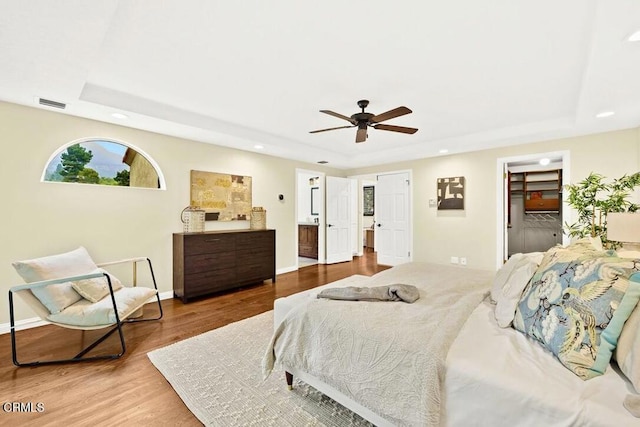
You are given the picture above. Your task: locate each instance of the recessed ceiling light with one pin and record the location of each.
(545, 161)
(443, 151)
(605, 114)
(258, 147)
(119, 116)
(635, 37)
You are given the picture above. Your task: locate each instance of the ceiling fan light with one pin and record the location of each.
(363, 120)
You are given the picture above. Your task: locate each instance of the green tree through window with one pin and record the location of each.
(88, 176)
(122, 177)
(73, 162)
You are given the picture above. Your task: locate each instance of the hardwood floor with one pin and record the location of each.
(129, 390)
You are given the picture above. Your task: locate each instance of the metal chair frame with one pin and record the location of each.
(117, 326)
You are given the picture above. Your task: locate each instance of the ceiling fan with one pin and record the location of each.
(363, 120)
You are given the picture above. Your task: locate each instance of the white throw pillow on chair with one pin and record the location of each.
(96, 289)
(59, 296)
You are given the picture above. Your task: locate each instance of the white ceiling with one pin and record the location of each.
(477, 74)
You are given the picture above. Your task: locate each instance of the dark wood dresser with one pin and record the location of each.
(214, 261)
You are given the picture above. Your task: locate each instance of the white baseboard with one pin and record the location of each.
(35, 322)
(286, 270)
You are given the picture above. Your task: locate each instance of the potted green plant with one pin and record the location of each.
(593, 199)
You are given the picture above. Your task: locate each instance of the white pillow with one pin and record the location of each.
(502, 275)
(96, 289)
(509, 296)
(59, 296)
(627, 352)
(622, 253)
(596, 242)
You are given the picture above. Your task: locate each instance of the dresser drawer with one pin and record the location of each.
(253, 240)
(209, 243)
(254, 273)
(209, 281)
(209, 262)
(247, 255)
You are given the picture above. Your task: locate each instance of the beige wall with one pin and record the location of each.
(472, 233)
(113, 222)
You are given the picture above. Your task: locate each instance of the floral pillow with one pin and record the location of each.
(576, 304)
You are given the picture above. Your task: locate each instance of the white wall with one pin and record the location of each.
(41, 219)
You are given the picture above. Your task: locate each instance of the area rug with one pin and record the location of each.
(218, 376)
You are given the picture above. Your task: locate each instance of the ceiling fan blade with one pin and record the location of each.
(396, 112)
(338, 115)
(361, 135)
(396, 128)
(324, 130)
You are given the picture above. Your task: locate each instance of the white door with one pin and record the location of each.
(505, 212)
(338, 220)
(392, 231)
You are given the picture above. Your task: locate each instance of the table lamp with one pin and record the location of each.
(624, 227)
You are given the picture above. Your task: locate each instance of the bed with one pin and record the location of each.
(378, 358)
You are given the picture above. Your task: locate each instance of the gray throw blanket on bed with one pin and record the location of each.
(395, 292)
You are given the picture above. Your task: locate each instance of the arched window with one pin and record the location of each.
(104, 162)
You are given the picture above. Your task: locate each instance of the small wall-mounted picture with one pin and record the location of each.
(368, 194)
(451, 193)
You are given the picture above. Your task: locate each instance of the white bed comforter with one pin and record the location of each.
(388, 356)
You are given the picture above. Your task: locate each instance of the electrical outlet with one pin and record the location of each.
(454, 260)
(463, 261)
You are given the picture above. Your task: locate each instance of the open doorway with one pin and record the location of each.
(310, 217)
(367, 235)
(531, 214)
(388, 231)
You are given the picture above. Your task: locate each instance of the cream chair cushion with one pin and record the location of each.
(84, 313)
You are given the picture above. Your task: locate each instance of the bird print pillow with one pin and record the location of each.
(576, 304)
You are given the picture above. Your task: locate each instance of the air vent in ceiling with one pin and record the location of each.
(50, 103)
(323, 162)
